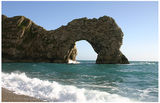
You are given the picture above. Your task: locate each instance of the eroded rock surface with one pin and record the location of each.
(24, 41)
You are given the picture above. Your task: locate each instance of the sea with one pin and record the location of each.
(83, 81)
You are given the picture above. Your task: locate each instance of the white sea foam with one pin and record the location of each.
(53, 91)
(145, 93)
(73, 62)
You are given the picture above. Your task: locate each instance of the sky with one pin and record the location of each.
(137, 19)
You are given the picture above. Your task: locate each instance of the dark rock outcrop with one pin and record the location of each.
(24, 41)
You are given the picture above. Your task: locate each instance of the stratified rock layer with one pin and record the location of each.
(24, 41)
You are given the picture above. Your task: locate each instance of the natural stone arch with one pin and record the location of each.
(35, 44)
(103, 34)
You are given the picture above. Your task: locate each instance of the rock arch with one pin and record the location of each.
(24, 41)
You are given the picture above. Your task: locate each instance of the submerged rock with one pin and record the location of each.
(24, 41)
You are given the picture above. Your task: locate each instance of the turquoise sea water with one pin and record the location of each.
(86, 81)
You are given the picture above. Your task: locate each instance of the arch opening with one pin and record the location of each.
(85, 51)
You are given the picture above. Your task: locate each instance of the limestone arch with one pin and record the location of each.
(103, 34)
(24, 41)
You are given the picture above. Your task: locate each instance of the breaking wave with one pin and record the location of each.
(73, 62)
(53, 91)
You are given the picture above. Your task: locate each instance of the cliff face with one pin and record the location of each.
(24, 41)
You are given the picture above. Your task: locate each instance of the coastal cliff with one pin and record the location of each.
(24, 41)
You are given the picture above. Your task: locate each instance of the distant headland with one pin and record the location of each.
(24, 41)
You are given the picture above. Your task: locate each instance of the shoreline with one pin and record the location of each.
(9, 96)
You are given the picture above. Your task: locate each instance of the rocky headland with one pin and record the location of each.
(24, 41)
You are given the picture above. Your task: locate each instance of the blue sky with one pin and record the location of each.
(138, 21)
